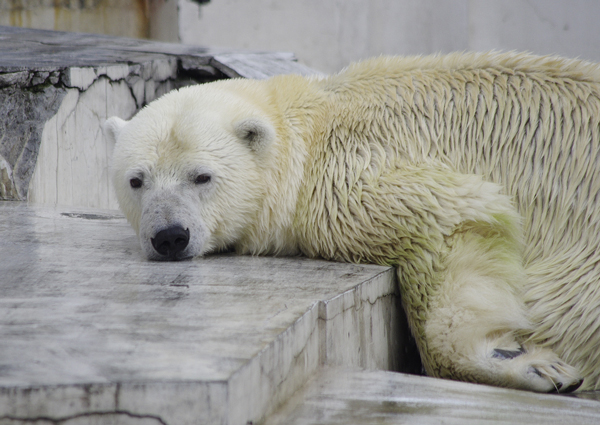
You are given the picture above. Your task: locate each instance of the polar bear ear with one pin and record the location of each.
(112, 128)
(258, 133)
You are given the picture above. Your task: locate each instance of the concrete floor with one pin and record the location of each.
(338, 396)
(89, 327)
(92, 333)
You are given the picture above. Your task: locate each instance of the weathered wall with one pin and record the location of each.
(328, 34)
(127, 18)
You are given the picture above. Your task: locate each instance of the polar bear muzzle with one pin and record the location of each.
(171, 241)
(169, 227)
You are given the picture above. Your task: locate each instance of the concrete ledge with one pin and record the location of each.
(341, 396)
(89, 328)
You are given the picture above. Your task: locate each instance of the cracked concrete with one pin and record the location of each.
(92, 418)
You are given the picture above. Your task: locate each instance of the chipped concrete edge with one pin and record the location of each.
(311, 349)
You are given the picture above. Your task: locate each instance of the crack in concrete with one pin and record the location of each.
(294, 363)
(323, 304)
(64, 420)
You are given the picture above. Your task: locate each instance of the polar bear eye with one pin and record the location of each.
(135, 183)
(202, 179)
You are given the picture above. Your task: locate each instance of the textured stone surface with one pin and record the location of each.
(351, 396)
(45, 77)
(24, 111)
(91, 330)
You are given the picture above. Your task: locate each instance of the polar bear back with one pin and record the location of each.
(530, 124)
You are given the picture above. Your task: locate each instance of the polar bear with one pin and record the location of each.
(475, 175)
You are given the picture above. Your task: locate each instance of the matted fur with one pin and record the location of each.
(476, 175)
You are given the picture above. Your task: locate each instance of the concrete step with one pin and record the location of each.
(341, 396)
(89, 329)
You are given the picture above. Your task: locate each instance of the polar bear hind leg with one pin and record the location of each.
(477, 325)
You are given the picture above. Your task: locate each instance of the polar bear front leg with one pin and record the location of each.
(476, 325)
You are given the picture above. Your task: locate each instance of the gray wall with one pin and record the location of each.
(329, 34)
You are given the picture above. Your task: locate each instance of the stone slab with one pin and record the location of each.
(90, 329)
(339, 396)
(23, 49)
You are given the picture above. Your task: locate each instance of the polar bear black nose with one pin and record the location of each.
(171, 241)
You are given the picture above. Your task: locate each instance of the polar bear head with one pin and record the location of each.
(187, 169)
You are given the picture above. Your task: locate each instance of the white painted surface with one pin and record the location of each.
(328, 34)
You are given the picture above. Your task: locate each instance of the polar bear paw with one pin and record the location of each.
(537, 369)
